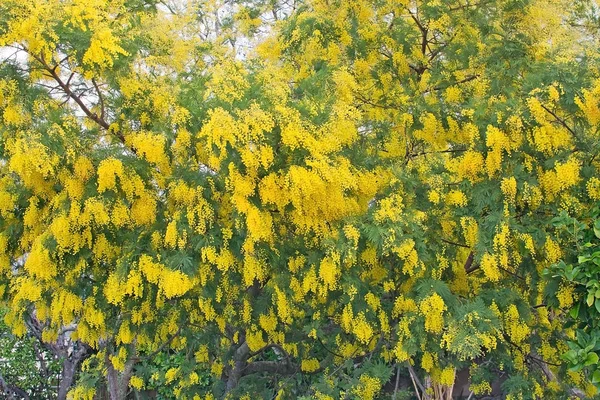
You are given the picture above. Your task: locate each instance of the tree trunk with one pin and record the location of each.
(70, 366)
(240, 360)
(118, 382)
(66, 378)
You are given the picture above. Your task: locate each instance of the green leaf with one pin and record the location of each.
(571, 356)
(574, 312)
(590, 299)
(596, 376)
(597, 228)
(597, 304)
(591, 359)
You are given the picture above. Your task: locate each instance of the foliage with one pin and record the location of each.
(298, 197)
(578, 277)
(26, 365)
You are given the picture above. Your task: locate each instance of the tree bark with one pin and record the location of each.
(12, 390)
(118, 382)
(240, 360)
(70, 366)
(72, 353)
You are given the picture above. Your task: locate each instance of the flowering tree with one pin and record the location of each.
(316, 194)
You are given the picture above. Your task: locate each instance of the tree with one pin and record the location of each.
(27, 369)
(314, 194)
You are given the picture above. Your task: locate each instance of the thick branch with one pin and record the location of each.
(469, 266)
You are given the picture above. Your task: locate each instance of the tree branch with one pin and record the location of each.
(10, 389)
(456, 244)
(67, 90)
(560, 121)
(100, 97)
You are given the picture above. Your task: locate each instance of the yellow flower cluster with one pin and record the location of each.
(136, 382)
(254, 338)
(310, 365)
(433, 308)
(481, 388)
(118, 360)
(82, 393)
(589, 103)
(517, 329)
(362, 329)
(564, 176)
(368, 387)
(469, 166)
(34, 163)
(38, 263)
(490, 268)
(565, 296)
(445, 376)
(550, 139)
(104, 48)
(593, 188)
(470, 230)
(329, 271)
(509, 189)
(456, 198)
(407, 253)
(108, 170)
(428, 361)
(552, 250)
(389, 208)
(152, 148)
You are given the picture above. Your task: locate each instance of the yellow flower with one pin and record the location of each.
(310, 365)
(367, 388)
(136, 382)
(433, 308)
(171, 374)
(490, 268)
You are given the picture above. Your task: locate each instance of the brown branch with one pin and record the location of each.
(327, 349)
(469, 266)
(455, 244)
(512, 273)
(560, 121)
(70, 77)
(272, 346)
(421, 27)
(67, 90)
(465, 80)
(100, 98)
(436, 152)
(527, 355)
(415, 379)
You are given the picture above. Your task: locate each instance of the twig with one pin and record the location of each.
(100, 98)
(397, 381)
(415, 380)
(454, 243)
